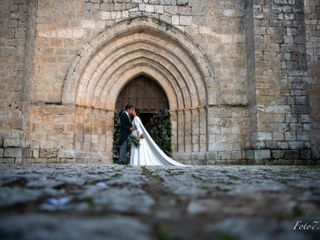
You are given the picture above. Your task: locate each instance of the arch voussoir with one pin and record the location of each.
(164, 53)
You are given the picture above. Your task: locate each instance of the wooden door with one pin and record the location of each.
(143, 93)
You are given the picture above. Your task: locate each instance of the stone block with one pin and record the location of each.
(142, 7)
(167, 19)
(149, 8)
(265, 117)
(35, 153)
(316, 154)
(228, 12)
(300, 109)
(40, 160)
(301, 100)
(291, 118)
(234, 161)
(296, 145)
(171, 9)
(304, 118)
(168, 2)
(7, 160)
(105, 15)
(292, 154)
(48, 153)
(303, 136)
(18, 160)
(249, 155)
(277, 154)
(285, 161)
(290, 136)
(236, 155)
(211, 155)
(306, 154)
(224, 155)
(20, 33)
(29, 160)
(262, 154)
(283, 145)
(67, 160)
(53, 160)
(159, 8)
(119, 6)
(175, 19)
(88, 155)
(185, 20)
(184, 10)
(278, 109)
(259, 161)
(1, 152)
(66, 153)
(264, 136)
(27, 153)
(277, 136)
(306, 127)
(13, 152)
(182, 2)
(11, 142)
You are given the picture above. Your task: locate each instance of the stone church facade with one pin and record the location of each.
(241, 77)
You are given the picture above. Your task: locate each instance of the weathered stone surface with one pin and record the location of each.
(238, 75)
(120, 202)
(112, 227)
(13, 152)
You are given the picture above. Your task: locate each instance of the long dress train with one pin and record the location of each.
(148, 153)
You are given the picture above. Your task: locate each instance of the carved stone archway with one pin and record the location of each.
(143, 93)
(142, 46)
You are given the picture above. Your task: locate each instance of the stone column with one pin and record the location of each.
(280, 79)
(174, 136)
(312, 22)
(195, 130)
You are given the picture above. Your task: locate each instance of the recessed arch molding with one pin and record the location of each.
(149, 47)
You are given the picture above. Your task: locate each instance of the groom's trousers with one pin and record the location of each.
(123, 151)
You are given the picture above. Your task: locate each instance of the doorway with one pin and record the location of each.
(147, 96)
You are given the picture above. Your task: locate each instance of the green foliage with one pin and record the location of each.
(225, 236)
(116, 138)
(135, 141)
(89, 201)
(297, 211)
(159, 129)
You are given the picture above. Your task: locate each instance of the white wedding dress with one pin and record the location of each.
(148, 153)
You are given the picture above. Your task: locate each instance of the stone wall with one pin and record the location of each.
(251, 77)
(312, 23)
(283, 123)
(217, 29)
(13, 25)
(241, 77)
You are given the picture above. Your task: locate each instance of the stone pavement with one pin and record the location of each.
(121, 202)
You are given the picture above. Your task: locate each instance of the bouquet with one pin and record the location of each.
(136, 140)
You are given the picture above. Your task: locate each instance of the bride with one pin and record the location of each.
(148, 153)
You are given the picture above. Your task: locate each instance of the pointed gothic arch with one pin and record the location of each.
(169, 56)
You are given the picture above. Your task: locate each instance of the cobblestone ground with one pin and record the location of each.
(91, 202)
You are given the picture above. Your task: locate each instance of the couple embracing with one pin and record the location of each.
(146, 152)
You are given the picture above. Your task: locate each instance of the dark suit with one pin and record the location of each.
(125, 125)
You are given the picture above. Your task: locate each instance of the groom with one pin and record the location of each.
(125, 130)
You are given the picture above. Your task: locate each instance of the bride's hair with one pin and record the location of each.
(137, 111)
